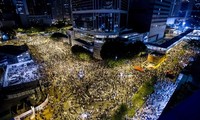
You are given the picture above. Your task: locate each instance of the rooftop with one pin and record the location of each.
(13, 50)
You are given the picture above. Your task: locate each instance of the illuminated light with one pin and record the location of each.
(100, 36)
(112, 36)
(125, 36)
(98, 41)
(183, 23)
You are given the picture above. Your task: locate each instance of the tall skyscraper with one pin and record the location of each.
(186, 8)
(39, 12)
(99, 18)
(42, 12)
(195, 15)
(95, 20)
(22, 11)
(8, 16)
(176, 6)
(34, 12)
(149, 16)
(39, 7)
(61, 10)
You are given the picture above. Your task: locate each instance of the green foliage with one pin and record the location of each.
(140, 97)
(9, 31)
(114, 63)
(60, 24)
(20, 30)
(112, 48)
(55, 28)
(51, 29)
(121, 48)
(194, 43)
(58, 36)
(33, 30)
(84, 56)
(81, 53)
(142, 54)
(182, 52)
(120, 113)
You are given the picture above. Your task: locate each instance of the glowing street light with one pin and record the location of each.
(183, 24)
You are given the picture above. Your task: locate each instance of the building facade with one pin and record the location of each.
(176, 6)
(161, 11)
(34, 12)
(99, 18)
(96, 20)
(22, 11)
(195, 14)
(17, 55)
(186, 8)
(42, 12)
(61, 10)
(150, 16)
(8, 16)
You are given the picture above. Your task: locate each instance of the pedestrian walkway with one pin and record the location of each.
(157, 101)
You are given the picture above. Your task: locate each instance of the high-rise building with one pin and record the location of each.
(186, 8)
(8, 16)
(176, 6)
(182, 8)
(95, 20)
(61, 10)
(195, 15)
(150, 16)
(42, 12)
(22, 11)
(39, 7)
(99, 19)
(181, 14)
(34, 12)
(39, 12)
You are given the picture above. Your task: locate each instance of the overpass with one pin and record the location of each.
(195, 34)
(166, 46)
(83, 43)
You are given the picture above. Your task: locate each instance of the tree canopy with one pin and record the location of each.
(120, 49)
(8, 31)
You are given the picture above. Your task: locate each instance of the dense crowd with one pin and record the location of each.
(21, 73)
(90, 89)
(157, 101)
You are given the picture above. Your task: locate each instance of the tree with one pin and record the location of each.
(112, 48)
(81, 52)
(58, 35)
(120, 113)
(8, 32)
(118, 47)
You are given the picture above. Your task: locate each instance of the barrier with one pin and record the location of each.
(29, 112)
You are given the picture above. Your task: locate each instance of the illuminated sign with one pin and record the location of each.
(20, 7)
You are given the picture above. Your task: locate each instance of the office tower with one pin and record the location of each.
(195, 15)
(149, 16)
(61, 10)
(34, 12)
(186, 8)
(95, 20)
(182, 8)
(8, 15)
(99, 19)
(175, 9)
(39, 12)
(22, 11)
(39, 7)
